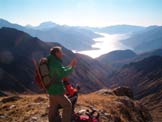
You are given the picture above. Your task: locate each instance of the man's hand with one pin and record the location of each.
(73, 62)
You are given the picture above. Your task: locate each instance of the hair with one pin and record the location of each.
(54, 50)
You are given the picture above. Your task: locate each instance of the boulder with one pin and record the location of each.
(123, 91)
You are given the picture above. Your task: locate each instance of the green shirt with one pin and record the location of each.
(57, 69)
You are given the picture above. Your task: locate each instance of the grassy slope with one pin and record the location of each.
(34, 108)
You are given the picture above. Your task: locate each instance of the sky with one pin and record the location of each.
(96, 13)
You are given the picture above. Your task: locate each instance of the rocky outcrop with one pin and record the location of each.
(113, 108)
(120, 106)
(123, 91)
(119, 91)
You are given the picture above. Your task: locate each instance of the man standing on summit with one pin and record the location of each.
(57, 90)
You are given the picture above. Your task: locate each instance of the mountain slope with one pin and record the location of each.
(118, 29)
(144, 77)
(154, 103)
(4, 23)
(116, 57)
(17, 49)
(146, 40)
(44, 26)
(119, 58)
(73, 38)
(91, 72)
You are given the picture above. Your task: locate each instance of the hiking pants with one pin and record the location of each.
(55, 101)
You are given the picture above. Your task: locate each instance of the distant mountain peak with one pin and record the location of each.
(46, 25)
(125, 25)
(3, 21)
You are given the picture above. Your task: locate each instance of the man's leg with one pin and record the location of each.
(53, 109)
(67, 108)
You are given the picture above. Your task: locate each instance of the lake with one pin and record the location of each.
(106, 44)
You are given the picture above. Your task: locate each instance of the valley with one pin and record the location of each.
(116, 62)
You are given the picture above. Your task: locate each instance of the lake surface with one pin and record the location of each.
(106, 44)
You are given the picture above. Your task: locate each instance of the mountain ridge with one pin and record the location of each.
(17, 52)
(144, 41)
(64, 35)
(117, 29)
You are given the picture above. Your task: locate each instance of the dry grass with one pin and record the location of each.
(117, 109)
(154, 104)
(34, 108)
(26, 109)
(98, 101)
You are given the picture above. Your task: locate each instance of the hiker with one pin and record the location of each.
(57, 89)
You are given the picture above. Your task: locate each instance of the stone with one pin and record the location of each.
(123, 91)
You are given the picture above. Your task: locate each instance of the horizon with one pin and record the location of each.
(49, 21)
(91, 13)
